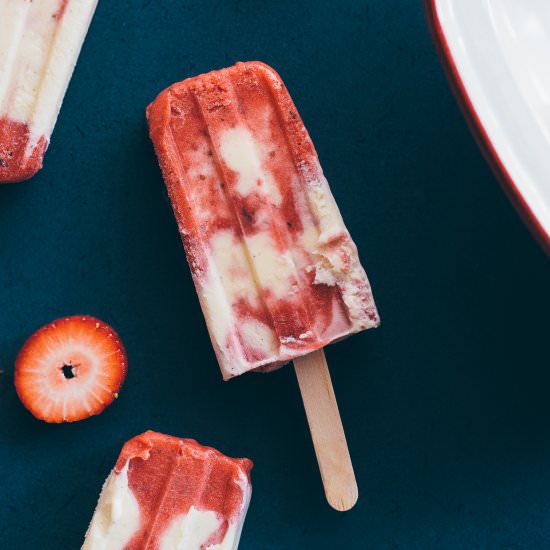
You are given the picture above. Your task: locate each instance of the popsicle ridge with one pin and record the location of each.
(275, 268)
(260, 236)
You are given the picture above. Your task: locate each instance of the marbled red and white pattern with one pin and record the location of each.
(39, 45)
(275, 268)
(166, 493)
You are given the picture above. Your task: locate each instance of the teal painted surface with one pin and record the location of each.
(445, 405)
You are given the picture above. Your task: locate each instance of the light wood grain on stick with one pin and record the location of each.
(327, 432)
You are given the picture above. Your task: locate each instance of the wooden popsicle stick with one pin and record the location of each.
(327, 432)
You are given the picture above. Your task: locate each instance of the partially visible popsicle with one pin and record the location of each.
(39, 45)
(166, 493)
(276, 271)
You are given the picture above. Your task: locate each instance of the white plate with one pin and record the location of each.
(497, 56)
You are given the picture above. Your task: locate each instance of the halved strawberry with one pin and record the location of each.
(70, 369)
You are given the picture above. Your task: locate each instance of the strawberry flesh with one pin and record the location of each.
(70, 369)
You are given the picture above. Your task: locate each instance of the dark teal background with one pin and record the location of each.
(446, 405)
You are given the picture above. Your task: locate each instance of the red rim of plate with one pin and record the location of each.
(476, 127)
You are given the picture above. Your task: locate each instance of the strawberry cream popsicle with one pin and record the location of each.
(39, 45)
(277, 273)
(166, 493)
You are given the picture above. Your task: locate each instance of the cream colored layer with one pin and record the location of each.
(238, 271)
(337, 258)
(38, 52)
(116, 517)
(244, 156)
(190, 531)
(226, 280)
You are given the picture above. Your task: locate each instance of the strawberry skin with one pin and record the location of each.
(70, 369)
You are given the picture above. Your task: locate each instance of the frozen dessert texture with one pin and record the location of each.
(276, 271)
(166, 493)
(39, 45)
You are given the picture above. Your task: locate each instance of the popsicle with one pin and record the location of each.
(276, 271)
(39, 45)
(166, 493)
